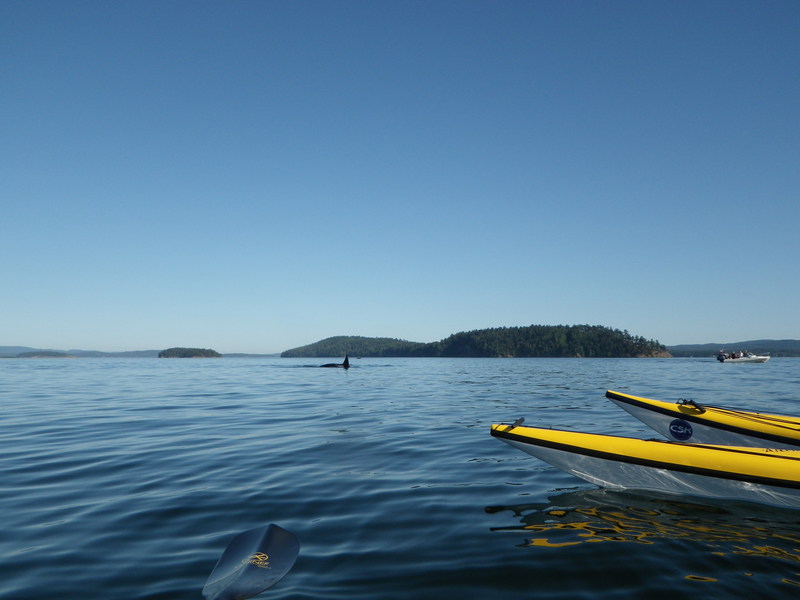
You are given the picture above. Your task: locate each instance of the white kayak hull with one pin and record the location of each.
(692, 423)
(664, 467)
(617, 475)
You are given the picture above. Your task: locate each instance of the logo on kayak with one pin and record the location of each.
(680, 430)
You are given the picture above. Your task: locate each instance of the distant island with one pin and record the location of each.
(589, 341)
(44, 354)
(28, 352)
(189, 353)
(534, 341)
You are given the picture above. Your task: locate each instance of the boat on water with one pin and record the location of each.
(687, 421)
(766, 475)
(742, 357)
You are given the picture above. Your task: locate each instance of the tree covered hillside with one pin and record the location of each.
(588, 341)
(189, 353)
(355, 346)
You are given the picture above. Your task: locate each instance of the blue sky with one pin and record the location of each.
(252, 176)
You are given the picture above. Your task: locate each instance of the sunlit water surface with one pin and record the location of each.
(126, 479)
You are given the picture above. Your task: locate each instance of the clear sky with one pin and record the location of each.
(252, 176)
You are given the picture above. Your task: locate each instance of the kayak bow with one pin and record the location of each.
(686, 421)
(770, 476)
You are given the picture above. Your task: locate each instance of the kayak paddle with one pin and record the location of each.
(254, 561)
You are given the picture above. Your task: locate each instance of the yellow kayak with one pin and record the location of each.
(686, 421)
(767, 475)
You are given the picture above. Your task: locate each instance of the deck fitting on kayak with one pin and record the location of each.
(691, 404)
(516, 423)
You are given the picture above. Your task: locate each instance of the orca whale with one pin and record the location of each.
(343, 365)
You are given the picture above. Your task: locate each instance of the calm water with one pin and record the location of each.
(126, 478)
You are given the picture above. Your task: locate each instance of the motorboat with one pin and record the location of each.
(688, 421)
(742, 357)
(766, 475)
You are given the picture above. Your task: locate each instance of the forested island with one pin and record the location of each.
(534, 341)
(189, 353)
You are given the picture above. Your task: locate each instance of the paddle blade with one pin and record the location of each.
(254, 561)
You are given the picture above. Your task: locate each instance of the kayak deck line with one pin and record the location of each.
(695, 459)
(782, 429)
(787, 421)
(791, 423)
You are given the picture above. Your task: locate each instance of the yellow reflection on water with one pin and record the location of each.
(591, 517)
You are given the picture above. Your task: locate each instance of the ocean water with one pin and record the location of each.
(127, 478)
